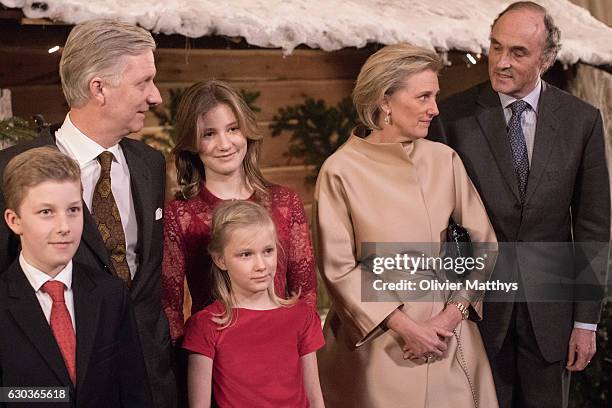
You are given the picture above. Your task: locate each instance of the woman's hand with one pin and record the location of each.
(421, 339)
(448, 318)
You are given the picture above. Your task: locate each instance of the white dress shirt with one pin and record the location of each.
(38, 278)
(72, 142)
(529, 120)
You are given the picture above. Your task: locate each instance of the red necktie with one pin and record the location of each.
(61, 326)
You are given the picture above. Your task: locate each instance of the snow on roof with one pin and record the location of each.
(334, 24)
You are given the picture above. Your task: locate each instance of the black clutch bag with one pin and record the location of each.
(459, 245)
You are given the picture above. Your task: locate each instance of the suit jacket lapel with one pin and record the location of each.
(92, 238)
(490, 116)
(86, 310)
(29, 316)
(46, 138)
(143, 205)
(545, 135)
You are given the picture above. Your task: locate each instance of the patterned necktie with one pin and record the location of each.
(520, 159)
(61, 326)
(106, 213)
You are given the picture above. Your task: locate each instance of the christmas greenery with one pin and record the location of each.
(14, 130)
(316, 129)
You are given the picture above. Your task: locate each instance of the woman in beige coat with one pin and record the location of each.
(387, 184)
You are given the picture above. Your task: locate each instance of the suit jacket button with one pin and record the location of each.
(517, 206)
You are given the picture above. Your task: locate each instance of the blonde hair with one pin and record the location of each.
(228, 218)
(33, 167)
(199, 99)
(96, 47)
(384, 73)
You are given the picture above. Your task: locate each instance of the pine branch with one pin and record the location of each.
(316, 129)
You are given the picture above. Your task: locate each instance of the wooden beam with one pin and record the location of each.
(33, 65)
(43, 22)
(189, 65)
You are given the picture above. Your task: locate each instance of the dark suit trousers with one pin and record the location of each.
(540, 384)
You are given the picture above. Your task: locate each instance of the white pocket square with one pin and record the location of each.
(158, 214)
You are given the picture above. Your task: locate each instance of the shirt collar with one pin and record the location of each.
(38, 278)
(532, 98)
(77, 145)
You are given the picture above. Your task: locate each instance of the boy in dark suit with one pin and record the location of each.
(63, 324)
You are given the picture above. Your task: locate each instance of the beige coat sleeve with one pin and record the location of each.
(336, 257)
(470, 213)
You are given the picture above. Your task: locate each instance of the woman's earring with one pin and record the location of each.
(387, 117)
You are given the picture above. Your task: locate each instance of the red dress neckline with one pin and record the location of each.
(212, 199)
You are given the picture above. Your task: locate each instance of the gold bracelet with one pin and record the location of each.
(465, 312)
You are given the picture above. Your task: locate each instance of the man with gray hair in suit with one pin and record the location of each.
(536, 156)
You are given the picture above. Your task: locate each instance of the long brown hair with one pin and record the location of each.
(198, 100)
(228, 218)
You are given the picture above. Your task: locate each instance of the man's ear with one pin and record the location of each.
(13, 221)
(96, 89)
(548, 61)
(219, 260)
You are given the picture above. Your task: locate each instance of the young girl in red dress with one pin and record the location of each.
(217, 159)
(251, 347)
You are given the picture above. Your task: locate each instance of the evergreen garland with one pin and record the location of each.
(316, 129)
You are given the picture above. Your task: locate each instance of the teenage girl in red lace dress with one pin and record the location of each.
(216, 156)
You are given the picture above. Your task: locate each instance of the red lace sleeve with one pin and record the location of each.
(173, 271)
(300, 263)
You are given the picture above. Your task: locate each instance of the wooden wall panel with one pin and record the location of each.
(278, 94)
(28, 66)
(21, 66)
(49, 99)
(293, 177)
(178, 65)
(459, 77)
